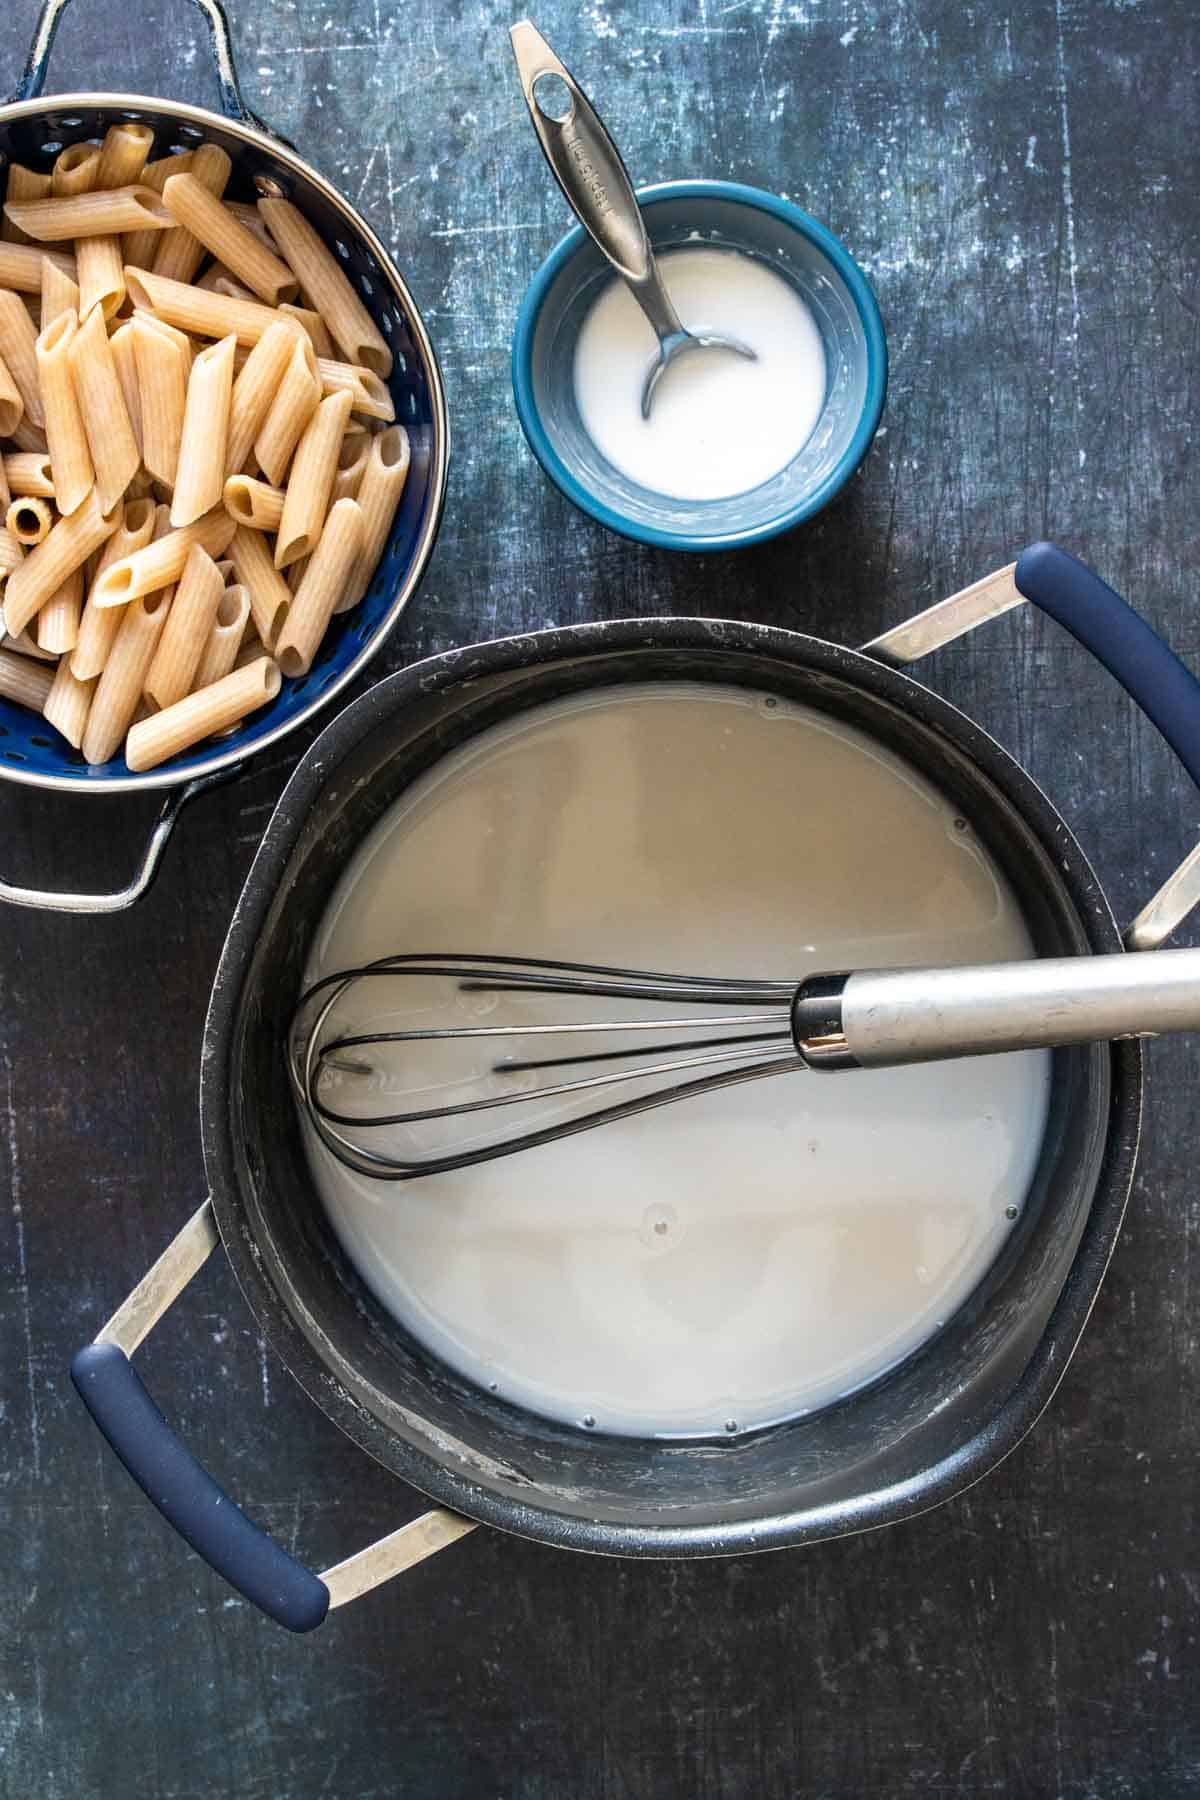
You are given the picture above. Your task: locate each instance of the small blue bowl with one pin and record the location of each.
(828, 280)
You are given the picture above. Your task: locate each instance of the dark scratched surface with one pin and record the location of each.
(1021, 184)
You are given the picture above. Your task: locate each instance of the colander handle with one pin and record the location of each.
(33, 76)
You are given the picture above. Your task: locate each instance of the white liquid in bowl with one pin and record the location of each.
(754, 1252)
(719, 425)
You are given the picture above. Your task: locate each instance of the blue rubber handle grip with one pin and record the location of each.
(187, 1495)
(1167, 692)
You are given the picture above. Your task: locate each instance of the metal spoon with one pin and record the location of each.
(589, 170)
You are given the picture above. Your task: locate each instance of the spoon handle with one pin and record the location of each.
(589, 170)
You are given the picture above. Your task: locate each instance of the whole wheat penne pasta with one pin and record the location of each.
(99, 258)
(28, 472)
(23, 184)
(75, 170)
(315, 326)
(297, 397)
(21, 266)
(58, 621)
(186, 633)
(193, 206)
(379, 494)
(327, 287)
(159, 564)
(12, 552)
(124, 357)
(225, 637)
(324, 582)
(114, 448)
(29, 520)
(26, 645)
(254, 390)
(270, 596)
(217, 279)
(248, 215)
(101, 274)
(29, 437)
(371, 397)
(12, 406)
(68, 703)
(203, 713)
(140, 247)
(44, 570)
(70, 458)
(200, 474)
(96, 213)
(163, 366)
(59, 293)
(253, 502)
(180, 253)
(352, 464)
(119, 689)
(25, 681)
(18, 350)
(311, 480)
(99, 624)
(192, 309)
(123, 154)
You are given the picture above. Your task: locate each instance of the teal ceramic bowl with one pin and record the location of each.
(828, 280)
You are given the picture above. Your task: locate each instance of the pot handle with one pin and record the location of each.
(43, 900)
(233, 105)
(186, 1494)
(1153, 676)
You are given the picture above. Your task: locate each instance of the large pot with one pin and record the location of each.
(915, 1436)
(32, 130)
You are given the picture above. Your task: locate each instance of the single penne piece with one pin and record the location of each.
(23, 184)
(139, 247)
(44, 570)
(200, 474)
(315, 326)
(217, 279)
(58, 621)
(327, 286)
(119, 689)
(114, 448)
(371, 397)
(68, 703)
(352, 464)
(94, 213)
(192, 309)
(70, 458)
(12, 552)
(270, 596)
(99, 624)
(180, 253)
(163, 366)
(21, 266)
(59, 293)
(28, 472)
(316, 598)
(123, 155)
(254, 390)
(202, 714)
(379, 494)
(125, 362)
(18, 351)
(24, 680)
(12, 407)
(296, 399)
(186, 633)
(225, 638)
(75, 170)
(253, 502)
(160, 563)
(201, 212)
(29, 520)
(311, 480)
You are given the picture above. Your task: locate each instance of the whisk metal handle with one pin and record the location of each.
(879, 1019)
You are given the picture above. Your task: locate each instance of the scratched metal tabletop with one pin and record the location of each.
(1020, 182)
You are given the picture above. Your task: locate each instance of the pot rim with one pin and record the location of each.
(453, 1486)
(232, 757)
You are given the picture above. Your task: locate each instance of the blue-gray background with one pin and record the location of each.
(1021, 183)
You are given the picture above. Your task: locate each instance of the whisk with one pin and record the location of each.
(687, 1035)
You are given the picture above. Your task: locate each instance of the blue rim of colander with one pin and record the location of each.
(865, 304)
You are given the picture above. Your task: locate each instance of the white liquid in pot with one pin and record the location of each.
(754, 1252)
